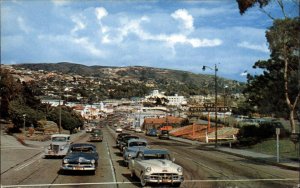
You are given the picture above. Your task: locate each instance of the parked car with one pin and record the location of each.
(163, 134)
(119, 129)
(132, 147)
(138, 130)
(59, 146)
(151, 132)
(96, 135)
(81, 157)
(156, 166)
(124, 141)
(119, 137)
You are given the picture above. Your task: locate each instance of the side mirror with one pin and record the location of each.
(173, 160)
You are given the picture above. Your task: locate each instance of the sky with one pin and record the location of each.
(180, 35)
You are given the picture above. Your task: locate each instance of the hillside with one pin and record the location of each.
(170, 81)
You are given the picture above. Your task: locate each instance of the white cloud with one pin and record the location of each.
(81, 43)
(100, 12)
(79, 25)
(259, 47)
(23, 26)
(185, 17)
(60, 2)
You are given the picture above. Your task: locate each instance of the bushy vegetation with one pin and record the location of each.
(19, 100)
(252, 134)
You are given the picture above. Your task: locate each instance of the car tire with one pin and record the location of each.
(132, 174)
(176, 184)
(143, 182)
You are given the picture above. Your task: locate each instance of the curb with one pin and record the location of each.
(297, 168)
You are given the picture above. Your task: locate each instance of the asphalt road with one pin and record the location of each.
(202, 168)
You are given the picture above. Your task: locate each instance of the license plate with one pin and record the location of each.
(77, 168)
(166, 181)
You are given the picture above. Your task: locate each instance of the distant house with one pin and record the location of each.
(161, 121)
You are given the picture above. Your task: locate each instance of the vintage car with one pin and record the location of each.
(59, 146)
(96, 135)
(138, 130)
(163, 134)
(155, 166)
(124, 140)
(151, 132)
(119, 130)
(119, 138)
(132, 147)
(81, 157)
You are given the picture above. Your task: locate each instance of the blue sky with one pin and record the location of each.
(181, 35)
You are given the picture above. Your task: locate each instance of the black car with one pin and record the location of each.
(119, 138)
(81, 157)
(163, 134)
(96, 135)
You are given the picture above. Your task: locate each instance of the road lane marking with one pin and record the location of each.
(29, 162)
(128, 182)
(110, 163)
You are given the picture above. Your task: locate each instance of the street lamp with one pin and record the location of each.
(216, 102)
(24, 118)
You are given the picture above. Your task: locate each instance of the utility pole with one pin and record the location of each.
(216, 102)
(59, 124)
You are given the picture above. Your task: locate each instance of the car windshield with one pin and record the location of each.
(59, 139)
(137, 144)
(156, 156)
(82, 149)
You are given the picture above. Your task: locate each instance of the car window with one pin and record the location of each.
(82, 149)
(59, 139)
(137, 144)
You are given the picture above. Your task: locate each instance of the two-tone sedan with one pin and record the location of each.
(59, 146)
(81, 157)
(132, 147)
(156, 166)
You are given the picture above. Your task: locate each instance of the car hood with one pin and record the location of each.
(136, 148)
(160, 163)
(82, 156)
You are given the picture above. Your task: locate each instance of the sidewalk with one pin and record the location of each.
(259, 157)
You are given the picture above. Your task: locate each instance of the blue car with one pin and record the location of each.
(151, 132)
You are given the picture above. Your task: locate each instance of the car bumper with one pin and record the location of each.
(78, 168)
(164, 178)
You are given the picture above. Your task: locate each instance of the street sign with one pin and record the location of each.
(209, 109)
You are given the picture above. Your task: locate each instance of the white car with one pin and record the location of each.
(155, 166)
(59, 145)
(138, 130)
(119, 129)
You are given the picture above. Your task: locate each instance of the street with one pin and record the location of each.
(202, 167)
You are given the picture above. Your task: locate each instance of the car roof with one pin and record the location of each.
(60, 135)
(137, 140)
(155, 151)
(83, 145)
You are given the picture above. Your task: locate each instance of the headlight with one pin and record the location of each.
(93, 161)
(65, 161)
(148, 169)
(62, 148)
(179, 169)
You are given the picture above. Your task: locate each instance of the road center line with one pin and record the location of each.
(110, 163)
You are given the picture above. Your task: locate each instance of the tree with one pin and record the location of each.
(281, 70)
(10, 89)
